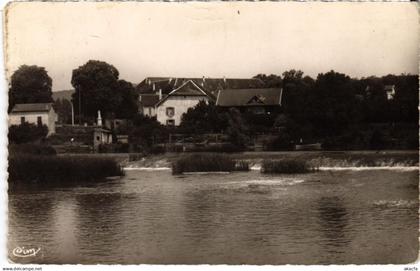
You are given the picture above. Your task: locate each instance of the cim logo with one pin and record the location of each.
(25, 252)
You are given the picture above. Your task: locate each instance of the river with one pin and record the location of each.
(327, 217)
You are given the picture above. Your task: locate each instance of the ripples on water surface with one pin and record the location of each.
(241, 218)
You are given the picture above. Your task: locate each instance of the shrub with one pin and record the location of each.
(28, 168)
(135, 157)
(217, 147)
(285, 166)
(157, 149)
(27, 132)
(34, 149)
(279, 143)
(203, 163)
(113, 148)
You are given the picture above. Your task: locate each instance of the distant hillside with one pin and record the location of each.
(62, 94)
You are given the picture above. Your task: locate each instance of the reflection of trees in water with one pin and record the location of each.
(99, 221)
(200, 213)
(333, 221)
(212, 213)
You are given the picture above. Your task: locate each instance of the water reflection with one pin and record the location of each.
(99, 222)
(150, 217)
(333, 221)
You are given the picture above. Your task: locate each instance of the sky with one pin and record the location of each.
(231, 39)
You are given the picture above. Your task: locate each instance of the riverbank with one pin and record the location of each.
(321, 159)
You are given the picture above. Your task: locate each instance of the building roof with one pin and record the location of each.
(188, 88)
(210, 85)
(149, 99)
(35, 107)
(250, 97)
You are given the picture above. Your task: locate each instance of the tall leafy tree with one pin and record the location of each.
(128, 97)
(95, 84)
(30, 84)
(204, 118)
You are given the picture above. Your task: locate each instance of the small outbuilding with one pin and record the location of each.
(35, 113)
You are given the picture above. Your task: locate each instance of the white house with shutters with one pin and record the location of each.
(167, 98)
(35, 113)
(169, 109)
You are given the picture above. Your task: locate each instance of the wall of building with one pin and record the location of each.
(181, 104)
(149, 111)
(47, 118)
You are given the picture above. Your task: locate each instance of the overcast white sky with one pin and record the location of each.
(239, 39)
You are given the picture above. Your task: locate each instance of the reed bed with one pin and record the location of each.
(212, 162)
(288, 166)
(31, 168)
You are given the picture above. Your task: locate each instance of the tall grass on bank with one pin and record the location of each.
(203, 163)
(31, 168)
(287, 166)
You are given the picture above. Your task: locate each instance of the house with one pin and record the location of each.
(168, 98)
(36, 113)
(256, 101)
(169, 109)
(148, 102)
(390, 91)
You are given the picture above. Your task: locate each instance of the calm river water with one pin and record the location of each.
(368, 216)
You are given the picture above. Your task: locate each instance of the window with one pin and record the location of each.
(22, 120)
(170, 111)
(170, 122)
(39, 120)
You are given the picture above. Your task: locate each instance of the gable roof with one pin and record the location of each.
(250, 97)
(34, 107)
(189, 88)
(210, 85)
(149, 99)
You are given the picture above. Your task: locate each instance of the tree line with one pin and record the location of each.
(333, 107)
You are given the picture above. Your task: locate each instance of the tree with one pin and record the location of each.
(270, 81)
(331, 105)
(146, 131)
(95, 83)
(237, 129)
(30, 84)
(63, 109)
(128, 107)
(203, 118)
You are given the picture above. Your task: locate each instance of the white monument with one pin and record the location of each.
(99, 121)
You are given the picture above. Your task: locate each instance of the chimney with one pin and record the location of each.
(154, 87)
(160, 94)
(224, 79)
(148, 81)
(204, 80)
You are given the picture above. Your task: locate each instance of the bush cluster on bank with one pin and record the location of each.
(39, 168)
(287, 166)
(34, 149)
(203, 163)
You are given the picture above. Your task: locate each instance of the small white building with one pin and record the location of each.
(390, 91)
(169, 109)
(35, 113)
